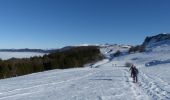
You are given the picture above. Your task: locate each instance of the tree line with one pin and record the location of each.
(71, 58)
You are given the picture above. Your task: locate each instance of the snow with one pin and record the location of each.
(156, 46)
(8, 55)
(165, 33)
(160, 40)
(108, 79)
(109, 50)
(71, 84)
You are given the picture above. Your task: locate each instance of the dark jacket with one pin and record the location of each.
(134, 70)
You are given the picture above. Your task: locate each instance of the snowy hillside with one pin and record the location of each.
(109, 50)
(157, 42)
(108, 79)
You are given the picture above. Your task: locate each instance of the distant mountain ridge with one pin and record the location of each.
(39, 50)
(28, 50)
(157, 38)
(149, 42)
(157, 42)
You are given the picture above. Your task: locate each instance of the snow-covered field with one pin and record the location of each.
(105, 80)
(73, 84)
(8, 55)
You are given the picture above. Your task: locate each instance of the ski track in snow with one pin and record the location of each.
(153, 88)
(135, 87)
(21, 91)
(101, 82)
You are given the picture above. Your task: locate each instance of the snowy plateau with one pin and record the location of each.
(108, 79)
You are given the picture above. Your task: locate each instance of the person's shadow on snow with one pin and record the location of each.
(107, 78)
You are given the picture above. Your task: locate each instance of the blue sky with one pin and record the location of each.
(58, 23)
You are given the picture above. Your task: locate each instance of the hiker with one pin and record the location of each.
(134, 73)
(131, 67)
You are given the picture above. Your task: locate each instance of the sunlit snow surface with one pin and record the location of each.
(106, 80)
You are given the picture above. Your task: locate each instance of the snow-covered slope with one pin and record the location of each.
(108, 79)
(109, 50)
(160, 41)
(102, 83)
